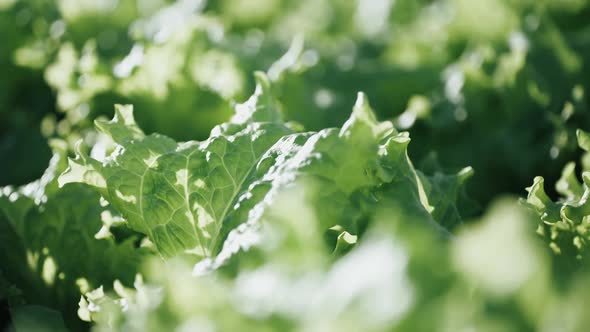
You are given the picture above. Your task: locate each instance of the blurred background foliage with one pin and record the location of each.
(498, 85)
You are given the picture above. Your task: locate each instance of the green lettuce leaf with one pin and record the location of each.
(48, 245)
(565, 224)
(447, 193)
(189, 196)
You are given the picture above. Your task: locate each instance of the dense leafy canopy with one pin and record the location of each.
(190, 210)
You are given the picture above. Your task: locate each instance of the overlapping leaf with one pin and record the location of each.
(565, 223)
(189, 196)
(48, 247)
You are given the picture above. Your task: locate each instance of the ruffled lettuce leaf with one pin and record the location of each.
(48, 246)
(398, 278)
(564, 223)
(208, 197)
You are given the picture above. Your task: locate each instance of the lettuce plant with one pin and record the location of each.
(192, 196)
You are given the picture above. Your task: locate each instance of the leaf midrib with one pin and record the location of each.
(235, 193)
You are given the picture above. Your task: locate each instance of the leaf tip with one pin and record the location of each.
(262, 82)
(261, 106)
(465, 173)
(362, 100)
(124, 114)
(122, 127)
(81, 170)
(363, 118)
(583, 139)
